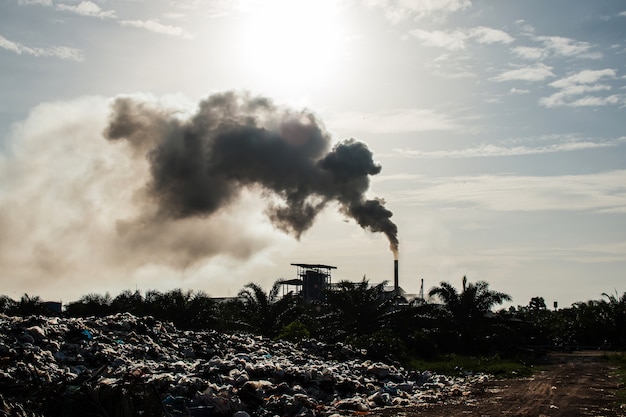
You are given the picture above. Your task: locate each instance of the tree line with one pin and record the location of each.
(451, 320)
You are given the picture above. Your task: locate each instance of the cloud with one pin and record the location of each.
(87, 8)
(525, 26)
(452, 73)
(455, 39)
(592, 101)
(214, 8)
(394, 121)
(536, 72)
(622, 14)
(603, 192)
(529, 53)
(583, 82)
(562, 46)
(491, 150)
(556, 46)
(155, 26)
(29, 2)
(486, 35)
(451, 66)
(584, 77)
(61, 52)
(398, 10)
(518, 91)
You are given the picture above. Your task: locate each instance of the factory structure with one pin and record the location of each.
(312, 279)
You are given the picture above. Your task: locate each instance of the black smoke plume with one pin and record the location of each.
(200, 164)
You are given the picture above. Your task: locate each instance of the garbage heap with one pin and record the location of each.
(123, 365)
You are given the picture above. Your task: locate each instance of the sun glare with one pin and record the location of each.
(290, 47)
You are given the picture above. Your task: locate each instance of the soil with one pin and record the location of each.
(566, 385)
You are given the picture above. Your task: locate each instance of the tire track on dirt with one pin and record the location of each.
(579, 384)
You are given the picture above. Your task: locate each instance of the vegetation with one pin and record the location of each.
(455, 330)
(453, 364)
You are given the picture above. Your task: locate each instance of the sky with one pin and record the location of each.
(206, 144)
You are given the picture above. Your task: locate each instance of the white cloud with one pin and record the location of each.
(560, 98)
(482, 34)
(11, 46)
(29, 2)
(452, 40)
(61, 52)
(393, 121)
(397, 10)
(555, 45)
(583, 82)
(568, 47)
(622, 14)
(600, 193)
(87, 8)
(455, 73)
(524, 26)
(537, 72)
(584, 77)
(592, 101)
(213, 7)
(528, 52)
(455, 39)
(155, 26)
(452, 66)
(518, 91)
(490, 150)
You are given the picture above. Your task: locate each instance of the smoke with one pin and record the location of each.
(167, 189)
(200, 164)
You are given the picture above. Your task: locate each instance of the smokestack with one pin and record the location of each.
(396, 284)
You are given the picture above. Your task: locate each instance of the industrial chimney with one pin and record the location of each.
(396, 285)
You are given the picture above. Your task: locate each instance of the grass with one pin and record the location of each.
(463, 365)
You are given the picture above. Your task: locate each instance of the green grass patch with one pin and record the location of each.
(463, 365)
(619, 360)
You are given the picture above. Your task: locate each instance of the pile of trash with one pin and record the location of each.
(123, 365)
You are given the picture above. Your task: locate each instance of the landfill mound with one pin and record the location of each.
(123, 365)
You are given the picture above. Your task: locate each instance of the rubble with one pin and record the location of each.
(123, 365)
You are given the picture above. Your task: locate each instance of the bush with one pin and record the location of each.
(294, 332)
(422, 345)
(381, 345)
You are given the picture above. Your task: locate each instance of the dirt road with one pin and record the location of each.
(568, 385)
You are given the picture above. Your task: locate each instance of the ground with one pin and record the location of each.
(566, 385)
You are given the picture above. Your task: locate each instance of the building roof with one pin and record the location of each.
(292, 282)
(315, 266)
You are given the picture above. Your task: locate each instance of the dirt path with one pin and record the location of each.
(569, 385)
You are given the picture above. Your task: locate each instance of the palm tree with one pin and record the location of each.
(473, 302)
(467, 309)
(265, 313)
(363, 316)
(356, 308)
(615, 317)
(201, 312)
